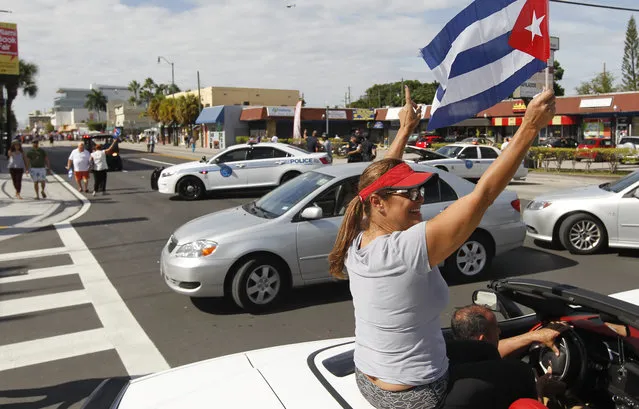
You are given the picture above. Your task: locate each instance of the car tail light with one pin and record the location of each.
(324, 160)
(516, 204)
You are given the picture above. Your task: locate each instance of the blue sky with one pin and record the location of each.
(319, 47)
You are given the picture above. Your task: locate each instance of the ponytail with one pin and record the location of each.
(349, 229)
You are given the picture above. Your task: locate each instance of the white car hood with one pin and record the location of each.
(190, 165)
(587, 192)
(275, 377)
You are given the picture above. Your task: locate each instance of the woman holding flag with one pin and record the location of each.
(391, 256)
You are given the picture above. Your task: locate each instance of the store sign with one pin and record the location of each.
(280, 111)
(519, 107)
(336, 114)
(535, 85)
(595, 103)
(554, 43)
(363, 114)
(9, 49)
(378, 125)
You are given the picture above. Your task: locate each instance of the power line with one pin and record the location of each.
(601, 6)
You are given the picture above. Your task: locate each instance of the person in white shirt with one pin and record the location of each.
(80, 158)
(505, 144)
(274, 139)
(100, 168)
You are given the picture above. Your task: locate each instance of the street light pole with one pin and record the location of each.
(172, 68)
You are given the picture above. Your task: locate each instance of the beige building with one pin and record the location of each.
(216, 96)
(131, 117)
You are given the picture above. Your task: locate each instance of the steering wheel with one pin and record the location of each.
(570, 366)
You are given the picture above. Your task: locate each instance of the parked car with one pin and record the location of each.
(598, 359)
(424, 140)
(253, 165)
(632, 143)
(562, 143)
(464, 160)
(586, 220)
(583, 150)
(257, 251)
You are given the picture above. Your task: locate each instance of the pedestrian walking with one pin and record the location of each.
(99, 163)
(17, 166)
(38, 166)
(328, 147)
(354, 150)
(81, 159)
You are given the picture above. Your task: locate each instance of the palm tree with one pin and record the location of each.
(134, 87)
(96, 101)
(167, 113)
(148, 91)
(161, 89)
(26, 82)
(187, 111)
(173, 89)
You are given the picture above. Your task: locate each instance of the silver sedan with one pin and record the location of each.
(255, 252)
(587, 219)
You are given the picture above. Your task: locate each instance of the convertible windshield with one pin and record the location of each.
(621, 184)
(280, 200)
(450, 151)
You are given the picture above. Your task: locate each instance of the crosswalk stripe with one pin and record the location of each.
(33, 254)
(43, 302)
(39, 273)
(27, 353)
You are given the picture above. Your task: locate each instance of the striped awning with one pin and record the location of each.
(517, 120)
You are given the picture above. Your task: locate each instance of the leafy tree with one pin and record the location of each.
(603, 83)
(134, 87)
(148, 91)
(187, 110)
(96, 101)
(630, 64)
(392, 94)
(96, 126)
(167, 112)
(173, 89)
(26, 82)
(559, 75)
(49, 128)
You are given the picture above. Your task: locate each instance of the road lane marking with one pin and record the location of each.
(54, 251)
(27, 353)
(136, 350)
(158, 161)
(40, 273)
(39, 303)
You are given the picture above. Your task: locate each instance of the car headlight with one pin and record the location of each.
(538, 205)
(167, 173)
(199, 248)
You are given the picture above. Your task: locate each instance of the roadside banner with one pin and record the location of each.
(297, 121)
(9, 49)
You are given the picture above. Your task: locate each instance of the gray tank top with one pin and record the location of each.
(16, 161)
(398, 299)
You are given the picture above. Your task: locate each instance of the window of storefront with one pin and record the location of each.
(597, 128)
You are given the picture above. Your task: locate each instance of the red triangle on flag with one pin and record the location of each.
(530, 33)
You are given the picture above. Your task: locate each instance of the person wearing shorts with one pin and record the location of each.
(38, 166)
(81, 159)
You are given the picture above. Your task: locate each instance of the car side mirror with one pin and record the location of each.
(312, 213)
(487, 299)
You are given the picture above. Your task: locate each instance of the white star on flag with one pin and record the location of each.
(535, 26)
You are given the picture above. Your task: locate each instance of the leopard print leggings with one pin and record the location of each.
(429, 396)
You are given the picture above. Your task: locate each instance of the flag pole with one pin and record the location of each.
(548, 62)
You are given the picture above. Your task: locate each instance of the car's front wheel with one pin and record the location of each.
(258, 284)
(472, 259)
(583, 234)
(190, 188)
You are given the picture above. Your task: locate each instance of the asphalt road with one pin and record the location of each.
(125, 232)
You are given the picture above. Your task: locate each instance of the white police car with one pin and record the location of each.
(238, 167)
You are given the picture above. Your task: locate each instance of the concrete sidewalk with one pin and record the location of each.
(22, 216)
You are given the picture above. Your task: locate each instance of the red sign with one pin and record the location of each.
(9, 41)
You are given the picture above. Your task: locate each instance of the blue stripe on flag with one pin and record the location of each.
(480, 56)
(440, 93)
(435, 52)
(451, 114)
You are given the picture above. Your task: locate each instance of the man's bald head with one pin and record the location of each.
(475, 322)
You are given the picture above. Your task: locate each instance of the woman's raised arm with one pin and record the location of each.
(451, 228)
(409, 118)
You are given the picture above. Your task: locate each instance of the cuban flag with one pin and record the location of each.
(116, 132)
(483, 54)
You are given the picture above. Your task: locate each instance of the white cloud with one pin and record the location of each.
(320, 46)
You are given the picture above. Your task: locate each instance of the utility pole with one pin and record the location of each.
(350, 101)
(199, 104)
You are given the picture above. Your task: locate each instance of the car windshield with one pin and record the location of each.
(450, 151)
(621, 184)
(280, 200)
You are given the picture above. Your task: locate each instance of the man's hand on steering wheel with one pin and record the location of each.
(549, 333)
